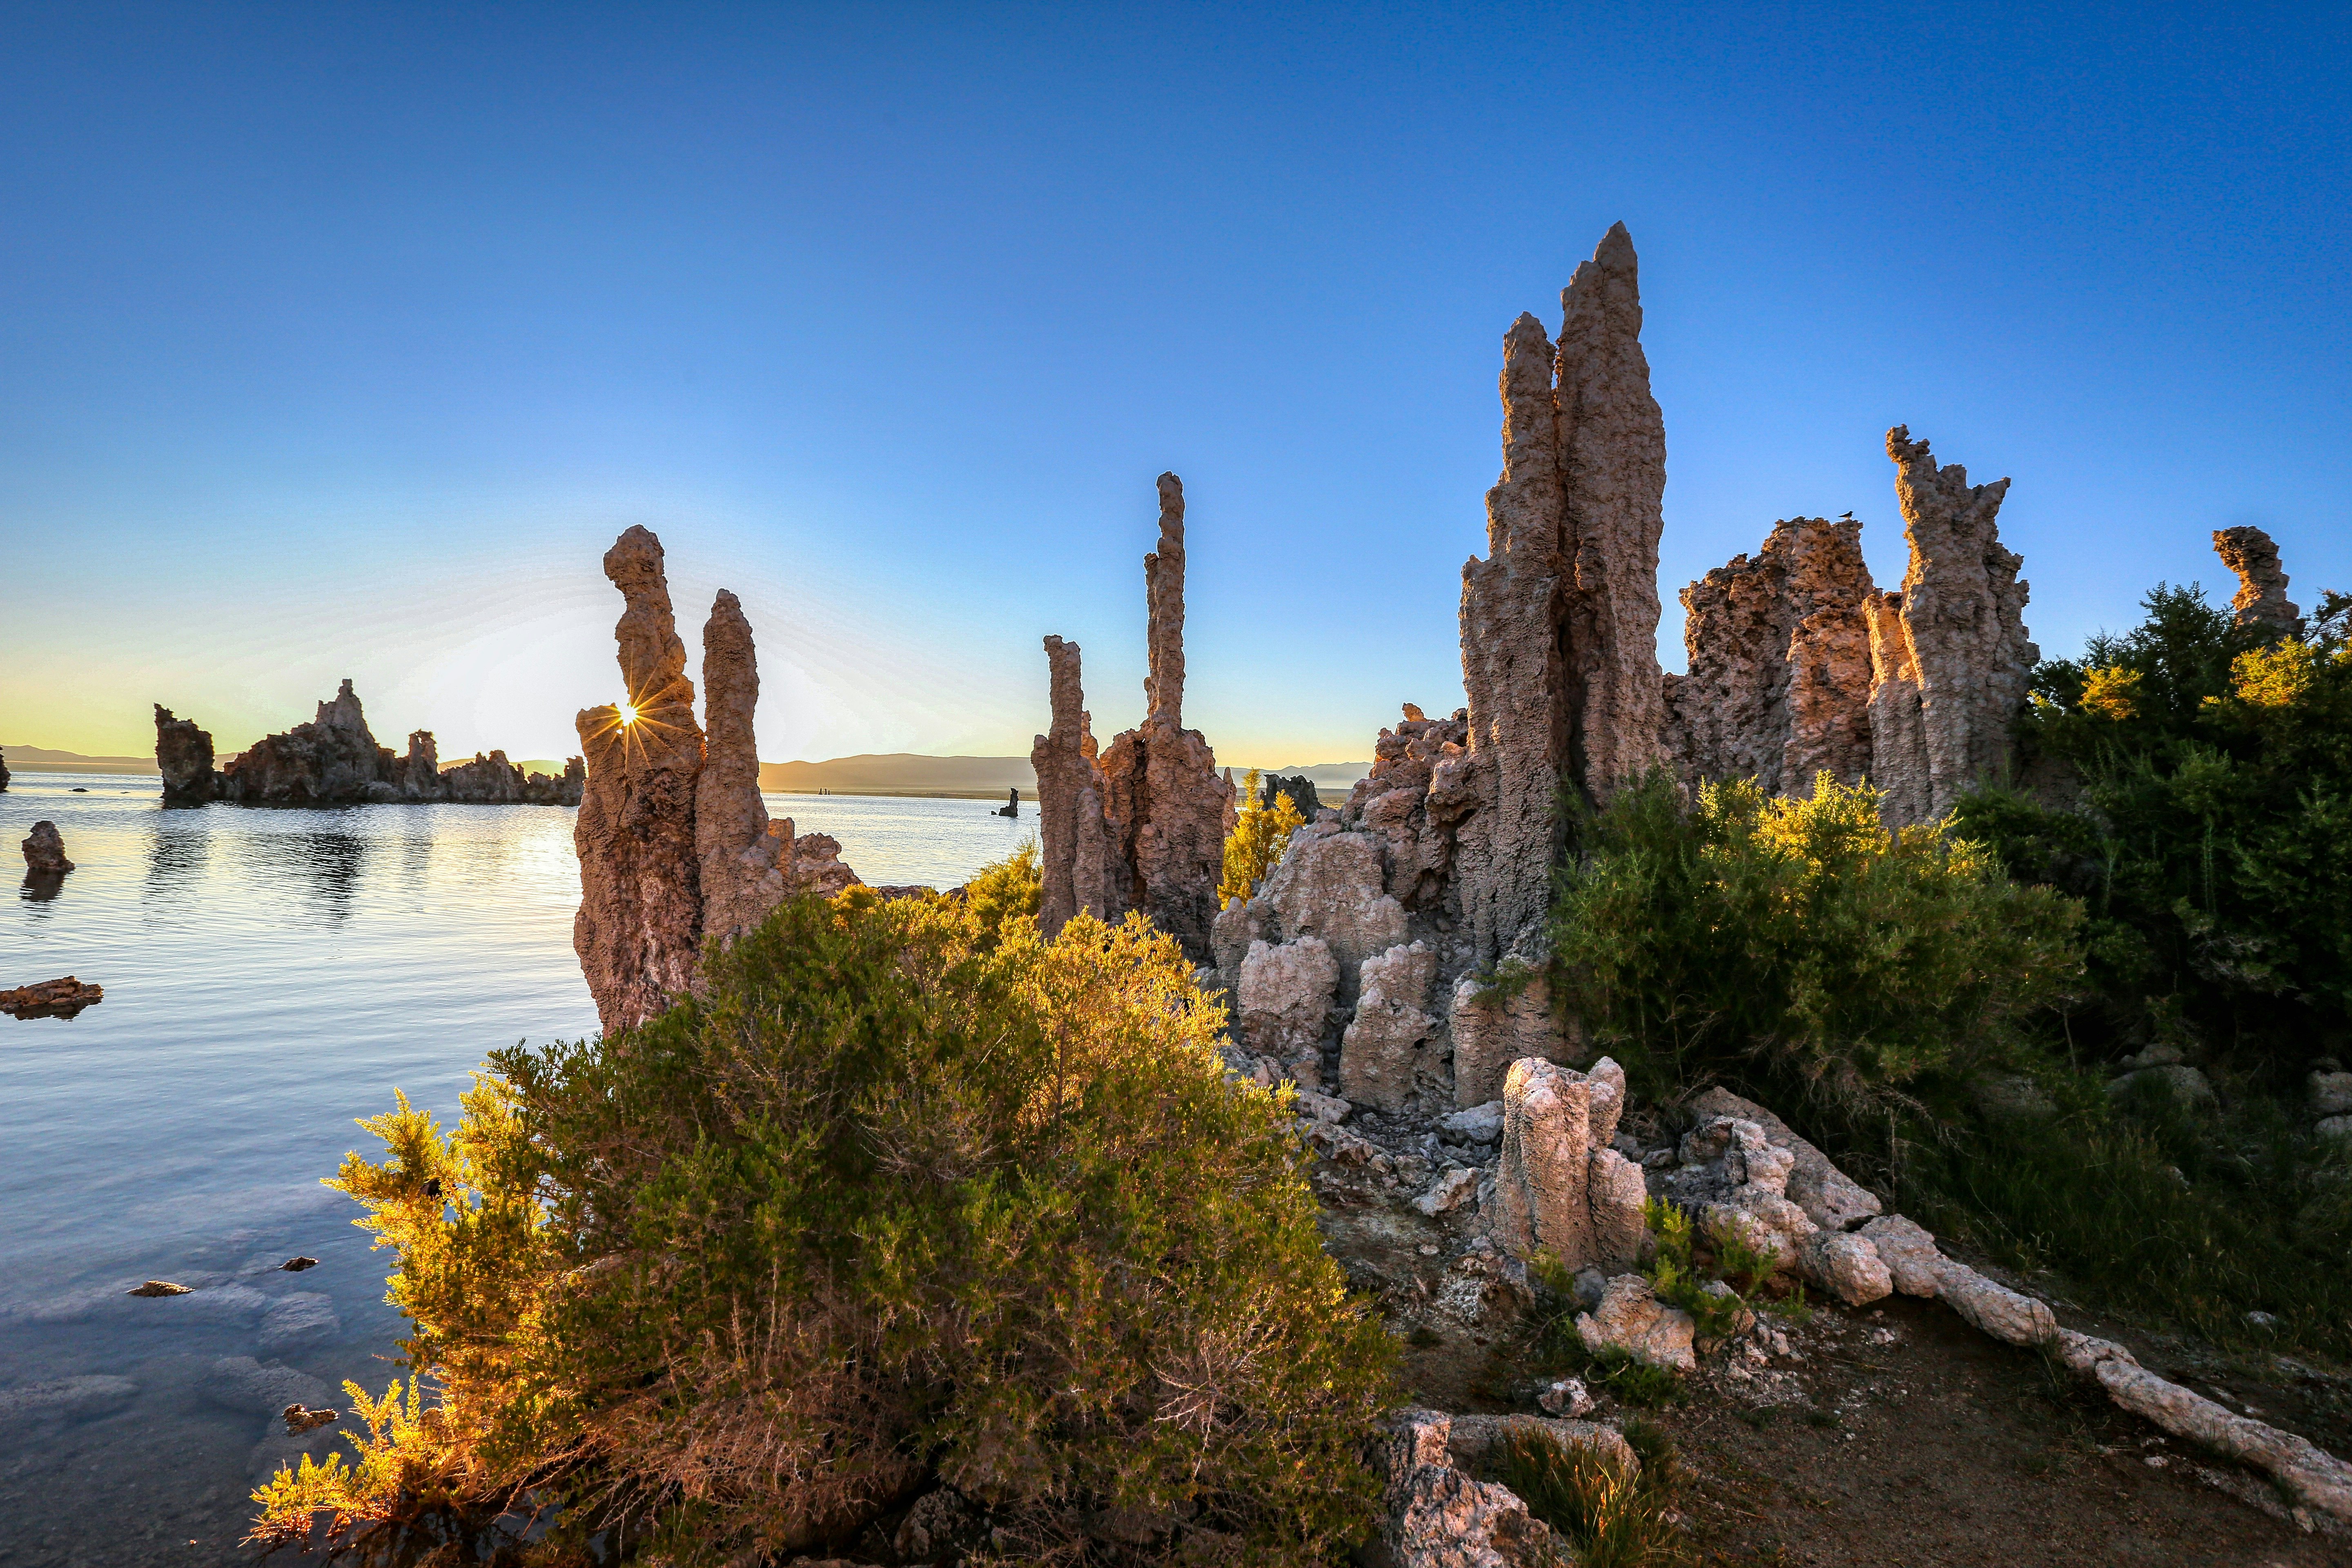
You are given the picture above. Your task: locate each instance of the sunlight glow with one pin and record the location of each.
(628, 713)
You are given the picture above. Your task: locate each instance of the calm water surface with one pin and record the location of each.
(271, 976)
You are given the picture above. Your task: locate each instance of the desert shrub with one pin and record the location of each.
(1253, 848)
(891, 1205)
(2213, 840)
(2154, 1211)
(1007, 894)
(1609, 1514)
(1796, 942)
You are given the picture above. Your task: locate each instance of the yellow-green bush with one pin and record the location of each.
(1738, 934)
(896, 1203)
(1253, 848)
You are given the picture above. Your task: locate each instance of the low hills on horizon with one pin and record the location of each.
(889, 772)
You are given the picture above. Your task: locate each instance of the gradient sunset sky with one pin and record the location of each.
(341, 340)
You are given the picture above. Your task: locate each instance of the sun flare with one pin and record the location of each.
(628, 713)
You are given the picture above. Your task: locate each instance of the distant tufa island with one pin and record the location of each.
(333, 760)
(978, 778)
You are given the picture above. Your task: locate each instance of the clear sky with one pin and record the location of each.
(341, 340)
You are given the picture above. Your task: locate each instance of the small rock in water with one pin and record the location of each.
(159, 1288)
(295, 1265)
(59, 998)
(44, 850)
(300, 1420)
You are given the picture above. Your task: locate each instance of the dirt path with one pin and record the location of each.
(1897, 1437)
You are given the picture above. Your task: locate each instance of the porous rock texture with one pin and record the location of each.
(333, 760)
(45, 851)
(1780, 680)
(1963, 618)
(1800, 666)
(1559, 622)
(3, 775)
(1436, 1515)
(2261, 599)
(1560, 1188)
(675, 843)
(1284, 997)
(1141, 824)
(1381, 1055)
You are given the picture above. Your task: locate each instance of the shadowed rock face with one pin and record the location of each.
(333, 758)
(1075, 853)
(1962, 615)
(640, 921)
(1780, 678)
(674, 841)
(184, 754)
(1142, 823)
(1559, 622)
(2262, 587)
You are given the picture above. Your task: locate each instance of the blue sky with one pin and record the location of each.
(340, 340)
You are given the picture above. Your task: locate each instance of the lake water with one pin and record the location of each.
(271, 976)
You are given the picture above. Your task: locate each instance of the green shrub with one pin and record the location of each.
(1796, 942)
(893, 1204)
(1253, 848)
(2212, 843)
(1007, 894)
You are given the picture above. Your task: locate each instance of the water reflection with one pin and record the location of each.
(176, 856)
(329, 862)
(40, 887)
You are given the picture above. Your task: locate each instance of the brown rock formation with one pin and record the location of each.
(1559, 622)
(1163, 808)
(45, 851)
(2261, 596)
(331, 759)
(639, 928)
(1075, 852)
(674, 841)
(1898, 735)
(1963, 618)
(417, 775)
(4, 775)
(59, 998)
(1780, 678)
(184, 754)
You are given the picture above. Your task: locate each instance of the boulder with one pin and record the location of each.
(1285, 995)
(1633, 1322)
(2183, 1086)
(1478, 1124)
(2331, 1093)
(1436, 1516)
(1328, 884)
(1542, 1186)
(45, 851)
(1995, 1310)
(59, 998)
(1456, 1187)
(1830, 1199)
(1493, 1027)
(1910, 1253)
(1383, 1063)
(1614, 1194)
(1846, 1265)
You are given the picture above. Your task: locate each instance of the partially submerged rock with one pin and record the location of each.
(159, 1288)
(299, 1420)
(59, 998)
(45, 851)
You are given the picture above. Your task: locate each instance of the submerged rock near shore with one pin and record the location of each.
(333, 760)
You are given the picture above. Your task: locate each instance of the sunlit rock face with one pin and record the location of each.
(1800, 666)
(1141, 823)
(674, 841)
(1780, 680)
(1559, 622)
(184, 754)
(2261, 599)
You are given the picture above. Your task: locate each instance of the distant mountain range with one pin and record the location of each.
(893, 773)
